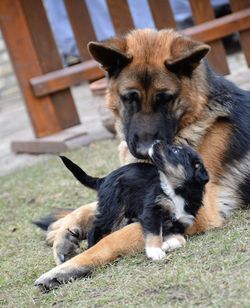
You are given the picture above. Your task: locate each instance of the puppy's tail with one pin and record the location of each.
(80, 175)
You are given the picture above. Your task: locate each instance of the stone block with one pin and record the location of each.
(4, 57)
(6, 69)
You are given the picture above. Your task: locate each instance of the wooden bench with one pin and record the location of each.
(45, 83)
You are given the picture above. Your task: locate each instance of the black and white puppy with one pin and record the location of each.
(164, 196)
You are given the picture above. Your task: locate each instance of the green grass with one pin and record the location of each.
(211, 271)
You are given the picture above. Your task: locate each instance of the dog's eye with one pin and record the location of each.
(163, 97)
(131, 96)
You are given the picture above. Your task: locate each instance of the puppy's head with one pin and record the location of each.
(180, 164)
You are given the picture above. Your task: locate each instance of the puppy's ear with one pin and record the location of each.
(186, 55)
(110, 55)
(201, 175)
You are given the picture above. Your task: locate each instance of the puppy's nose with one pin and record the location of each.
(173, 217)
(156, 142)
(151, 150)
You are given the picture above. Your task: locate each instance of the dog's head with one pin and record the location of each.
(181, 165)
(153, 84)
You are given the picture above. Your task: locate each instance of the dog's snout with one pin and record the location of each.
(143, 149)
(144, 129)
(144, 142)
(157, 136)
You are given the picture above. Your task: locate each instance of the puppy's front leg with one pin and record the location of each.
(173, 241)
(128, 240)
(153, 245)
(151, 221)
(173, 235)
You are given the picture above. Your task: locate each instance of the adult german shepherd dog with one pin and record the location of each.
(161, 88)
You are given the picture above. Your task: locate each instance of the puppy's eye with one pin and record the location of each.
(163, 98)
(197, 165)
(177, 149)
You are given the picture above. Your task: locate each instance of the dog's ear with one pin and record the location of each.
(186, 55)
(201, 174)
(110, 55)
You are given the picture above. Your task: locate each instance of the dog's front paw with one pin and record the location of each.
(61, 274)
(173, 242)
(67, 244)
(155, 253)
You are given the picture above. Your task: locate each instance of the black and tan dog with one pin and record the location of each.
(164, 197)
(160, 88)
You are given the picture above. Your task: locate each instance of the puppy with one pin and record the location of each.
(164, 196)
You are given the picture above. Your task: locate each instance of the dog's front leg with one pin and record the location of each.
(66, 234)
(128, 240)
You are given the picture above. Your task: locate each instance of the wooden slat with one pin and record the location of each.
(57, 143)
(120, 15)
(65, 140)
(49, 59)
(66, 77)
(162, 14)
(81, 24)
(220, 27)
(99, 87)
(237, 5)
(26, 64)
(202, 11)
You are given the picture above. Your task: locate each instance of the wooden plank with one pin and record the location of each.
(81, 24)
(99, 87)
(26, 64)
(66, 77)
(202, 11)
(220, 27)
(54, 144)
(49, 59)
(237, 5)
(120, 15)
(162, 14)
(65, 140)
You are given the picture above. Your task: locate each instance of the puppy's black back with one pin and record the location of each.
(123, 194)
(129, 184)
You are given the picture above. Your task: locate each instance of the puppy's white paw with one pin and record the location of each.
(173, 242)
(155, 253)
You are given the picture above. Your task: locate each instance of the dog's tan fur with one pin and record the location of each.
(199, 127)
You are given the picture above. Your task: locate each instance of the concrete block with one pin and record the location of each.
(6, 69)
(9, 91)
(4, 57)
(2, 45)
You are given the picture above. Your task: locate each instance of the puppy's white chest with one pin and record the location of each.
(174, 203)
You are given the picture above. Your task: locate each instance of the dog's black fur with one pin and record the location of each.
(136, 191)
